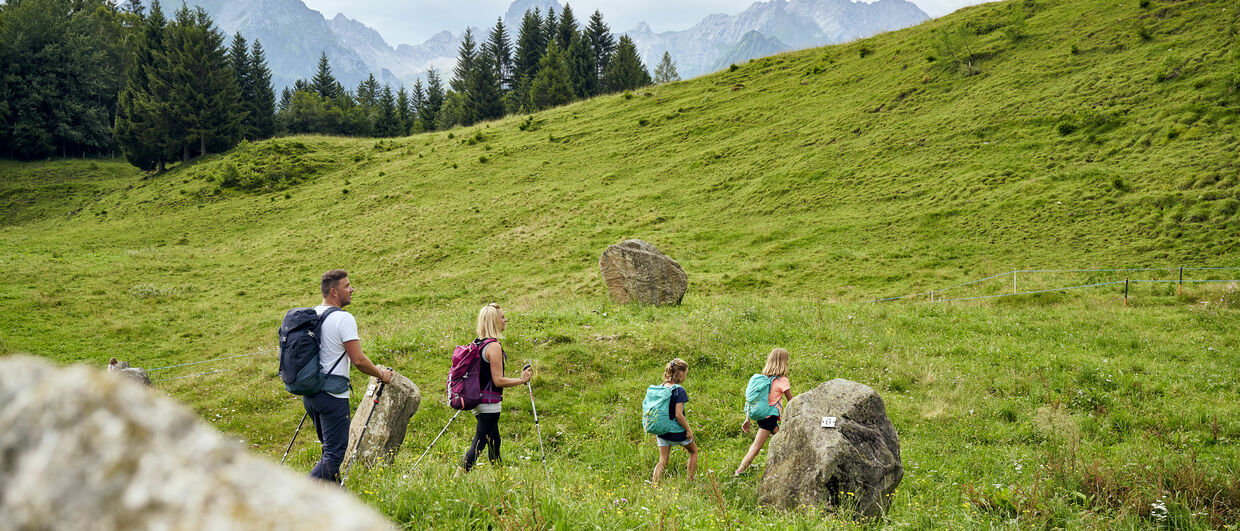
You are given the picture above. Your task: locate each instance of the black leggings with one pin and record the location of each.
(487, 434)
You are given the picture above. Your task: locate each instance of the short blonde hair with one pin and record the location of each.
(488, 322)
(776, 363)
(675, 371)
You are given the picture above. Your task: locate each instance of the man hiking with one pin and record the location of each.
(338, 342)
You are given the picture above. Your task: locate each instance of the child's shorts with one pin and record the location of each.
(665, 442)
(769, 423)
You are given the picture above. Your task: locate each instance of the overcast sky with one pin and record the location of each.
(413, 21)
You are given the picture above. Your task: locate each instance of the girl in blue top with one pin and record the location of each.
(674, 375)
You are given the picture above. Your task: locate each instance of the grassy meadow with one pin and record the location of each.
(793, 189)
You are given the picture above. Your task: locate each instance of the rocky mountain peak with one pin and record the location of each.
(517, 9)
(350, 30)
(641, 28)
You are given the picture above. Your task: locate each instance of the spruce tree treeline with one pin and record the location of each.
(186, 94)
(62, 66)
(89, 78)
(554, 61)
(322, 105)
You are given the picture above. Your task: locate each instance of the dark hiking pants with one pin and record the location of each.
(486, 434)
(331, 422)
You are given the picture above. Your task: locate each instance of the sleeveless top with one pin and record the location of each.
(490, 393)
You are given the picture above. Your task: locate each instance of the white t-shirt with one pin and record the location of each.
(339, 328)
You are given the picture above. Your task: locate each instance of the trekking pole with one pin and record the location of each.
(428, 448)
(362, 435)
(290, 443)
(539, 430)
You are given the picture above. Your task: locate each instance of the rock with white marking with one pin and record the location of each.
(854, 462)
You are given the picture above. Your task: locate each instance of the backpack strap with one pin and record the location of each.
(482, 349)
(318, 332)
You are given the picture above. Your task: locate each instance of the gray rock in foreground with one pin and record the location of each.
(386, 432)
(81, 449)
(808, 464)
(636, 271)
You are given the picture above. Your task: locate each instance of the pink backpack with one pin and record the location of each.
(464, 381)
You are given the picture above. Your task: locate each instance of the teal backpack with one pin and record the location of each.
(654, 411)
(757, 397)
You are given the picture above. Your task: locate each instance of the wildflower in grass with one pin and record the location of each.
(1158, 509)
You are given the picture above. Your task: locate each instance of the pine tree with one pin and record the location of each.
(404, 113)
(135, 7)
(530, 49)
(553, 86)
(465, 56)
(581, 69)
(286, 97)
(626, 71)
(365, 116)
(140, 111)
(567, 29)
(461, 83)
(204, 93)
(550, 28)
(263, 107)
(434, 100)
(239, 62)
(603, 45)
(367, 95)
(666, 71)
(387, 119)
(483, 100)
(323, 83)
(449, 114)
(59, 76)
(501, 51)
(417, 100)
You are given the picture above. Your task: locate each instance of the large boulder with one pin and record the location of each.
(81, 449)
(854, 464)
(386, 431)
(636, 271)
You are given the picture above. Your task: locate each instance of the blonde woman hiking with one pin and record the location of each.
(763, 395)
(491, 324)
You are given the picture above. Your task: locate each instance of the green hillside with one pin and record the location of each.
(792, 189)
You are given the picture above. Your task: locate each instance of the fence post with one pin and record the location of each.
(1180, 290)
(1125, 292)
(1013, 282)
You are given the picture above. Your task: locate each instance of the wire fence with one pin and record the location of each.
(204, 373)
(997, 288)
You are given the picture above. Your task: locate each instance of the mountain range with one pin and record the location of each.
(796, 24)
(293, 36)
